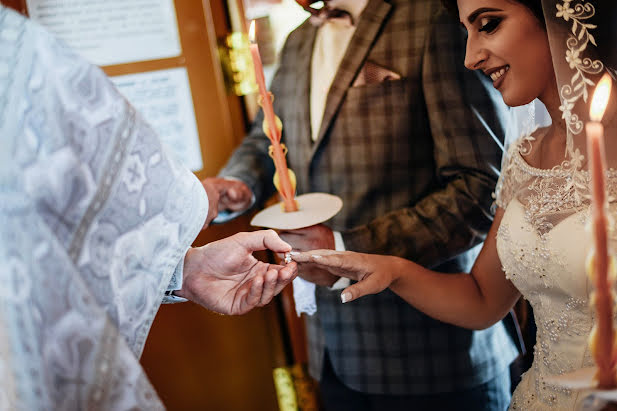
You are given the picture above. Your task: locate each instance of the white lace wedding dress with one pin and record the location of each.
(543, 243)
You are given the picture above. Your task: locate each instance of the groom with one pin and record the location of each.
(378, 109)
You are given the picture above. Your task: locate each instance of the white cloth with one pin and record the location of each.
(543, 244)
(175, 284)
(94, 218)
(304, 296)
(304, 291)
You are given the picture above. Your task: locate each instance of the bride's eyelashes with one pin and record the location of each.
(489, 24)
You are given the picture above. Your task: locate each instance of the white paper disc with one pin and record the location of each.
(313, 208)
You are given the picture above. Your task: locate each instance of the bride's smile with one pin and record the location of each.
(497, 74)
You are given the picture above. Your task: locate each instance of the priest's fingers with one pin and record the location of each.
(370, 285)
(270, 280)
(253, 296)
(285, 276)
(262, 240)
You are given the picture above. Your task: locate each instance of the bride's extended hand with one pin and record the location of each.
(374, 273)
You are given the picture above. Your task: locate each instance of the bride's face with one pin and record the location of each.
(508, 43)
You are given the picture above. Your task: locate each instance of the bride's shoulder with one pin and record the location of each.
(526, 145)
(515, 171)
(531, 139)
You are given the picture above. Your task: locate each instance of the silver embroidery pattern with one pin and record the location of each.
(90, 233)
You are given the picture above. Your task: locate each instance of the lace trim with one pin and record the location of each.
(546, 193)
(557, 171)
(576, 43)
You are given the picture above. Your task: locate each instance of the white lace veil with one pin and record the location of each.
(525, 119)
(579, 33)
(582, 35)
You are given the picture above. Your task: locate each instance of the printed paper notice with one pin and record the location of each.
(163, 97)
(110, 32)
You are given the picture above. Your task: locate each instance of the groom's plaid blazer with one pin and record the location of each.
(415, 164)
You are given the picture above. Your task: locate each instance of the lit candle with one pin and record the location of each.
(273, 128)
(603, 334)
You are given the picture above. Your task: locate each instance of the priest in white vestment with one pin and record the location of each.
(96, 223)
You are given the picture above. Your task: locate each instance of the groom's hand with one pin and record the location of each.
(226, 194)
(312, 238)
(225, 277)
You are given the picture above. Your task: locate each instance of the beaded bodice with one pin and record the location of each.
(543, 244)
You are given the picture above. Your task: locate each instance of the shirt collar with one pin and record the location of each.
(354, 7)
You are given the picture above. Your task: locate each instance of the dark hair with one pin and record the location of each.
(534, 5)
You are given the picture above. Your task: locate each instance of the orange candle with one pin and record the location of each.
(603, 334)
(274, 134)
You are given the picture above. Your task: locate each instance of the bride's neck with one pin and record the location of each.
(554, 144)
(550, 98)
(551, 143)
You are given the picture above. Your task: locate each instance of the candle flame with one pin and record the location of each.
(252, 32)
(599, 100)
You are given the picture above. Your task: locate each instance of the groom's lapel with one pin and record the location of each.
(369, 25)
(303, 82)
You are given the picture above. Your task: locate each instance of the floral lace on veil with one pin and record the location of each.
(551, 195)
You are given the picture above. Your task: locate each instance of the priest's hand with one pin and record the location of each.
(310, 238)
(225, 277)
(373, 272)
(226, 194)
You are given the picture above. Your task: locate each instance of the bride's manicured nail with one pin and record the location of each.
(294, 252)
(346, 296)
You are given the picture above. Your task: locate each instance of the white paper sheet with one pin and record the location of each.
(164, 99)
(110, 32)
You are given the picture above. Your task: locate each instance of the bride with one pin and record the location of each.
(538, 242)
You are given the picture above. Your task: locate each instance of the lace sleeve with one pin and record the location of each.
(506, 185)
